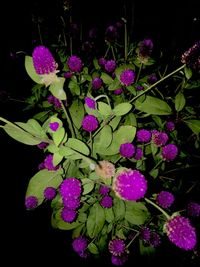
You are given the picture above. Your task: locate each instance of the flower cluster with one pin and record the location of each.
(113, 137)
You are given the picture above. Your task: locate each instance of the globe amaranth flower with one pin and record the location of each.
(193, 209)
(70, 188)
(192, 57)
(54, 126)
(110, 65)
(180, 232)
(90, 103)
(130, 185)
(116, 246)
(170, 126)
(68, 215)
(139, 87)
(90, 123)
(68, 74)
(48, 163)
(119, 260)
(105, 169)
(71, 203)
(127, 150)
(159, 138)
(169, 152)
(97, 83)
(74, 63)
(104, 190)
(138, 153)
(31, 202)
(118, 91)
(154, 240)
(42, 145)
(111, 33)
(143, 135)
(50, 193)
(145, 48)
(127, 77)
(165, 199)
(145, 234)
(152, 78)
(79, 244)
(55, 101)
(102, 61)
(106, 202)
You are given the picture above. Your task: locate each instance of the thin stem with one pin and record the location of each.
(159, 162)
(139, 71)
(153, 85)
(71, 127)
(136, 235)
(113, 53)
(157, 207)
(103, 96)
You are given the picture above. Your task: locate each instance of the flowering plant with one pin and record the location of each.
(113, 133)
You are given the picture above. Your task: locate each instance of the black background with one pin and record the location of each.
(27, 235)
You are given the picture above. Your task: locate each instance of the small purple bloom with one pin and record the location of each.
(106, 202)
(154, 240)
(170, 126)
(53, 100)
(74, 63)
(79, 244)
(91, 103)
(159, 138)
(104, 190)
(31, 202)
(139, 87)
(119, 260)
(130, 185)
(50, 193)
(48, 163)
(127, 77)
(54, 126)
(102, 61)
(138, 153)
(145, 234)
(192, 57)
(165, 199)
(111, 34)
(97, 83)
(71, 203)
(118, 91)
(127, 150)
(90, 123)
(143, 135)
(116, 246)
(152, 78)
(169, 152)
(193, 209)
(68, 74)
(180, 232)
(68, 215)
(42, 145)
(70, 188)
(110, 65)
(41, 166)
(145, 48)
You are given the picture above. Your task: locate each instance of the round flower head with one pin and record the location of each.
(139, 87)
(193, 209)
(42, 145)
(119, 260)
(154, 240)
(165, 199)
(130, 185)
(180, 232)
(138, 153)
(152, 79)
(79, 244)
(70, 188)
(31, 202)
(68, 74)
(43, 61)
(143, 135)
(159, 138)
(127, 77)
(192, 57)
(169, 152)
(90, 123)
(127, 150)
(170, 126)
(49, 193)
(54, 126)
(105, 169)
(110, 65)
(106, 202)
(68, 215)
(145, 48)
(104, 190)
(102, 61)
(55, 101)
(91, 103)
(116, 246)
(111, 34)
(74, 63)
(97, 83)
(71, 203)
(48, 163)
(145, 234)
(118, 91)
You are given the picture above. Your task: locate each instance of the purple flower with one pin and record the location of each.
(143, 135)
(68, 74)
(154, 240)
(111, 34)
(106, 202)
(130, 185)
(192, 57)
(127, 150)
(48, 163)
(152, 79)
(54, 126)
(90, 123)
(145, 48)
(119, 260)
(193, 209)
(139, 87)
(165, 199)
(41, 166)
(145, 234)
(71, 203)
(170, 126)
(104, 190)
(43, 61)
(138, 153)
(110, 65)
(97, 83)
(79, 244)
(118, 91)
(70, 188)
(74, 63)
(159, 138)
(169, 152)
(31, 202)
(55, 101)
(50, 193)
(91, 103)
(180, 232)
(102, 61)
(116, 246)
(42, 145)
(68, 215)
(127, 77)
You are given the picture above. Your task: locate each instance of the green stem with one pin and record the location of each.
(125, 41)
(103, 96)
(157, 207)
(153, 85)
(159, 162)
(139, 71)
(68, 120)
(113, 53)
(132, 240)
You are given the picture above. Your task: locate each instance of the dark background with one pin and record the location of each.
(27, 235)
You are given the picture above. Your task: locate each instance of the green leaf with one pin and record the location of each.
(74, 87)
(119, 209)
(136, 213)
(88, 185)
(31, 70)
(56, 89)
(109, 215)
(104, 109)
(115, 122)
(179, 101)
(125, 134)
(41, 180)
(95, 221)
(106, 78)
(105, 137)
(122, 109)
(57, 158)
(77, 113)
(93, 248)
(188, 73)
(153, 105)
(78, 145)
(154, 173)
(194, 125)
(114, 85)
(58, 136)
